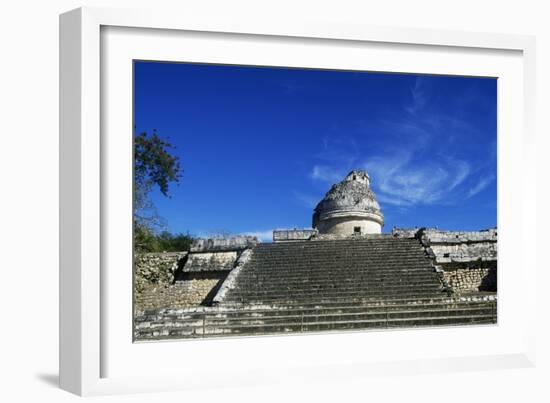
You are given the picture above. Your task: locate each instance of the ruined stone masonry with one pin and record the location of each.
(343, 274)
(468, 260)
(186, 279)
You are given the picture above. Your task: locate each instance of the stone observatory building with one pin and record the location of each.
(349, 207)
(342, 274)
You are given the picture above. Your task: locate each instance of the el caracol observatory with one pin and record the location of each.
(349, 207)
(342, 274)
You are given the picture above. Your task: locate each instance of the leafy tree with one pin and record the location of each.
(173, 243)
(145, 239)
(155, 166)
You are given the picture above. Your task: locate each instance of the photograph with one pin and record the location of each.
(276, 201)
(270, 200)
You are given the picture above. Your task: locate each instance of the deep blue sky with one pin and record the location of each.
(261, 146)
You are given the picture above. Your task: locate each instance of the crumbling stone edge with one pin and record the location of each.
(231, 279)
(425, 242)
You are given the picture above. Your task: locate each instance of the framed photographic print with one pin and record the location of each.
(428, 142)
(237, 197)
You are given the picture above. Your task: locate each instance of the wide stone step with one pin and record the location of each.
(342, 247)
(268, 288)
(353, 242)
(355, 324)
(344, 272)
(346, 324)
(336, 302)
(309, 310)
(336, 306)
(339, 300)
(340, 253)
(259, 299)
(365, 279)
(334, 258)
(337, 249)
(271, 318)
(336, 268)
(330, 285)
(321, 259)
(333, 287)
(298, 271)
(357, 272)
(309, 288)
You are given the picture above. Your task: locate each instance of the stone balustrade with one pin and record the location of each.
(293, 235)
(224, 244)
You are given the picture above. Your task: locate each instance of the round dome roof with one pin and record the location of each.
(352, 197)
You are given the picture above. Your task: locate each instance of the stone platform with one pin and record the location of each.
(370, 282)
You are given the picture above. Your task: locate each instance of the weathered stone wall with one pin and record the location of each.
(466, 259)
(224, 244)
(210, 261)
(437, 236)
(192, 290)
(472, 280)
(293, 235)
(451, 248)
(458, 250)
(156, 268)
(404, 232)
(464, 252)
(159, 282)
(183, 280)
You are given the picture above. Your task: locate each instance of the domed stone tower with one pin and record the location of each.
(349, 207)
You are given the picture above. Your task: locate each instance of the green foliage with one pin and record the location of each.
(174, 243)
(147, 241)
(154, 167)
(153, 163)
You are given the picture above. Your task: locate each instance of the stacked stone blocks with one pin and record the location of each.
(322, 284)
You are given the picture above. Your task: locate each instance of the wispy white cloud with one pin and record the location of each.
(402, 181)
(384, 199)
(325, 173)
(419, 95)
(482, 183)
(434, 158)
(462, 170)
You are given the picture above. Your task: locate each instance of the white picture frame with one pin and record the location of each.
(89, 353)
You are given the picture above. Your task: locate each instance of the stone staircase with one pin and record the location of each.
(339, 315)
(316, 271)
(365, 283)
